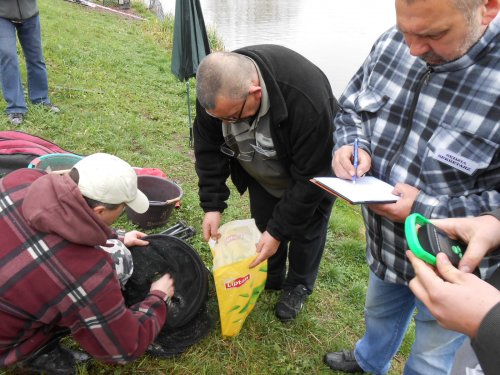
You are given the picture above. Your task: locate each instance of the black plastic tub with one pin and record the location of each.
(163, 194)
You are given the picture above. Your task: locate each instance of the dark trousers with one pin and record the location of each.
(304, 251)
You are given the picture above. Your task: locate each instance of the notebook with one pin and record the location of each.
(366, 190)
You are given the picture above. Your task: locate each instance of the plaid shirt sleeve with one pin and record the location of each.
(113, 333)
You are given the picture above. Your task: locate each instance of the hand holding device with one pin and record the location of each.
(428, 240)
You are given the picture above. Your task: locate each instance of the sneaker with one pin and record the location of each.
(290, 303)
(343, 361)
(51, 107)
(15, 119)
(54, 360)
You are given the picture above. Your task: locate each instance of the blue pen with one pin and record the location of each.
(355, 160)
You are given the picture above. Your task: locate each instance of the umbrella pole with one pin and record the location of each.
(189, 116)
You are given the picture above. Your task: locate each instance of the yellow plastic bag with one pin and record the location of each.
(238, 287)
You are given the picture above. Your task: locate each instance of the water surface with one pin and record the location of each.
(336, 35)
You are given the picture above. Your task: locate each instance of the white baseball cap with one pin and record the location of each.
(108, 179)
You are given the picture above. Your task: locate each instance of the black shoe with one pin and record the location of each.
(343, 361)
(290, 303)
(54, 360)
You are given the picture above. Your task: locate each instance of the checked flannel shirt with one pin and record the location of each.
(49, 285)
(433, 127)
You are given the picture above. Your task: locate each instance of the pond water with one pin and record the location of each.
(336, 35)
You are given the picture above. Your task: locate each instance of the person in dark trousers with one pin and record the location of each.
(264, 116)
(425, 108)
(461, 301)
(55, 279)
(21, 17)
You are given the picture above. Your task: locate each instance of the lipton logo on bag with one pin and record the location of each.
(236, 283)
(234, 237)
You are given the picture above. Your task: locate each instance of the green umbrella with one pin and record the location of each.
(190, 45)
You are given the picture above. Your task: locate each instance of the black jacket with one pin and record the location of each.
(18, 10)
(486, 343)
(302, 109)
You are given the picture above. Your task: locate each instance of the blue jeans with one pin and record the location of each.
(30, 39)
(388, 310)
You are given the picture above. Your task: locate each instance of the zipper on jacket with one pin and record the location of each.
(422, 81)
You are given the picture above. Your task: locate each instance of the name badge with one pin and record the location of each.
(456, 161)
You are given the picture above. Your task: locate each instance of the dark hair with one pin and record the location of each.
(73, 174)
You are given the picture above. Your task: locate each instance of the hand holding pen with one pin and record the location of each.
(350, 163)
(355, 163)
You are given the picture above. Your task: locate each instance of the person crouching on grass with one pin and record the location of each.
(55, 279)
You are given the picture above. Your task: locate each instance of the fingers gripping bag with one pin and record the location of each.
(238, 287)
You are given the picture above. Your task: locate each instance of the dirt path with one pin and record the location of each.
(126, 13)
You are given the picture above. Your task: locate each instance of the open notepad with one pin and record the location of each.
(366, 189)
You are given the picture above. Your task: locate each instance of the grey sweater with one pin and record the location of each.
(18, 10)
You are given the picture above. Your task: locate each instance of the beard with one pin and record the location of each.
(474, 33)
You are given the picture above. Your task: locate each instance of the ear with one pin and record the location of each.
(98, 210)
(491, 8)
(256, 91)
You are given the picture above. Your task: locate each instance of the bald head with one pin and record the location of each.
(223, 74)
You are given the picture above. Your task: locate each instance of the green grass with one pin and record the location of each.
(111, 77)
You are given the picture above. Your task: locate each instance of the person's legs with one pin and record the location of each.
(31, 41)
(304, 256)
(10, 74)
(261, 207)
(433, 351)
(305, 250)
(388, 310)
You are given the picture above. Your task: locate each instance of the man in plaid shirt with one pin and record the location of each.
(54, 277)
(425, 106)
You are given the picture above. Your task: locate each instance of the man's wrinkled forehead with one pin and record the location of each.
(425, 17)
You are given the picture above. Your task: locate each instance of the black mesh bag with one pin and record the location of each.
(171, 342)
(169, 254)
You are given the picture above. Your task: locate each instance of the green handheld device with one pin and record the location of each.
(427, 241)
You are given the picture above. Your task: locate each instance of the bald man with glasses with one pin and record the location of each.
(264, 116)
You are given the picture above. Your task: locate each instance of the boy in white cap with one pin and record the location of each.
(54, 277)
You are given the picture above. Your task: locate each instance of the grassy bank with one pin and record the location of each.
(111, 77)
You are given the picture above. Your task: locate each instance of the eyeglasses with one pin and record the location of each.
(232, 119)
(230, 148)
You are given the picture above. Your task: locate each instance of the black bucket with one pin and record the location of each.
(163, 195)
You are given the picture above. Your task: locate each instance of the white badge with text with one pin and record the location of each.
(456, 161)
